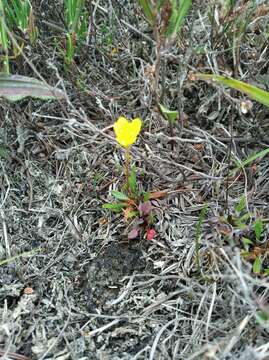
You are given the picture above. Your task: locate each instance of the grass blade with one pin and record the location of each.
(250, 160)
(13, 258)
(254, 92)
(170, 115)
(177, 17)
(119, 195)
(114, 207)
(258, 229)
(257, 265)
(4, 39)
(255, 156)
(147, 10)
(16, 87)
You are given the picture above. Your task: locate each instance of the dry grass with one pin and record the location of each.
(96, 295)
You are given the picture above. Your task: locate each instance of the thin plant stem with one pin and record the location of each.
(13, 258)
(157, 64)
(171, 128)
(4, 39)
(127, 167)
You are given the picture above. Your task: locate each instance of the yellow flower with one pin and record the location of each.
(127, 131)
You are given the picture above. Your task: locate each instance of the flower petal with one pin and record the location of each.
(126, 132)
(119, 125)
(136, 126)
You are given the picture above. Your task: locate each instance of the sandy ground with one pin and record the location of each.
(87, 292)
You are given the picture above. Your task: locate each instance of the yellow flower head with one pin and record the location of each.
(127, 131)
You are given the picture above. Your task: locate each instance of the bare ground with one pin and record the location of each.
(87, 292)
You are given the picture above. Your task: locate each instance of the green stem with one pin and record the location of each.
(127, 167)
(4, 39)
(13, 258)
(171, 126)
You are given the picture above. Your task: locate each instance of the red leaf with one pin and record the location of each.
(151, 234)
(158, 194)
(145, 208)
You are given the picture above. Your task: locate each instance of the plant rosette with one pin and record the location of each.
(132, 203)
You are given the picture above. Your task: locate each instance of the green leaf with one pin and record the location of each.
(250, 160)
(241, 205)
(245, 253)
(16, 87)
(132, 214)
(258, 228)
(17, 13)
(147, 10)
(254, 92)
(146, 196)
(132, 183)
(255, 156)
(244, 218)
(179, 11)
(3, 152)
(246, 241)
(240, 225)
(266, 271)
(4, 41)
(114, 207)
(262, 316)
(257, 265)
(169, 115)
(119, 195)
(160, 4)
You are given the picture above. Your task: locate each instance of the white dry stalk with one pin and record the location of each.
(123, 294)
(5, 234)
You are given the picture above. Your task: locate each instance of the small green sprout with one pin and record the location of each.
(76, 18)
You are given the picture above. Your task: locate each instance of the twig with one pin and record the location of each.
(12, 355)
(103, 328)
(181, 166)
(8, 253)
(132, 28)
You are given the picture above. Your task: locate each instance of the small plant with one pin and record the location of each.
(256, 251)
(19, 15)
(250, 233)
(15, 14)
(166, 19)
(172, 116)
(109, 32)
(4, 40)
(16, 87)
(76, 18)
(172, 13)
(231, 26)
(249, 160)
(134, 204)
